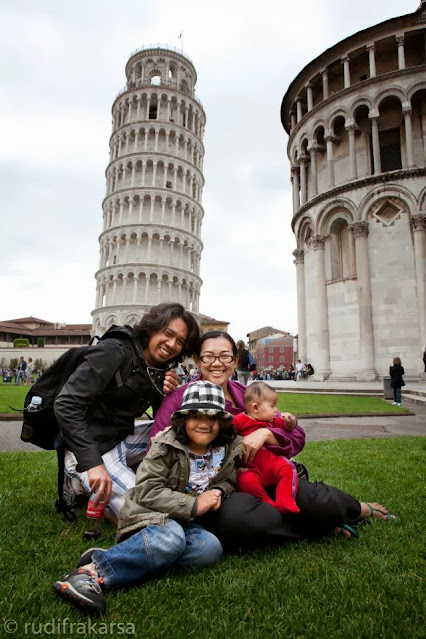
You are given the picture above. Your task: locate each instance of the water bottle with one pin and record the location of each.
(35, 404)
(94, 519)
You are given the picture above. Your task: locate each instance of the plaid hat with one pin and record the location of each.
(204, 398)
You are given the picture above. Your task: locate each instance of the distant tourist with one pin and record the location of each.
(20, 371)
(424, 358)
(243, 364)
(396, 372)
(29, 372)
(299, 370)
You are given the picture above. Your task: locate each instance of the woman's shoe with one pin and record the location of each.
(387, 516)
(344, 529)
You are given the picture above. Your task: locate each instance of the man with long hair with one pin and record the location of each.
(116, 382)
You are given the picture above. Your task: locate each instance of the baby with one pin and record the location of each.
(266, 470)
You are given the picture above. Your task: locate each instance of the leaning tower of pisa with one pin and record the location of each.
(150, 245)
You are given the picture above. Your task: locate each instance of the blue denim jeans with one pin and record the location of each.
(154, 548)
(397, 395)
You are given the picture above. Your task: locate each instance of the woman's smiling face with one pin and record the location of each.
(217, 372)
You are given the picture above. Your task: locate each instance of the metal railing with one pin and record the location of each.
(158, 45)
(169, 82)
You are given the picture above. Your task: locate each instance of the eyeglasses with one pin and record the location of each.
(210, 359)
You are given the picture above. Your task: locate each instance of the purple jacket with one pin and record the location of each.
(291, 442)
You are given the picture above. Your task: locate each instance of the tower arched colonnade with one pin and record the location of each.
(356, 117)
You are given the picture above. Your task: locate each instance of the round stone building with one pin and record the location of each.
(356, 117)
(150, 245)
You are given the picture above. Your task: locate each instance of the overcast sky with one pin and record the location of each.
(62, 64)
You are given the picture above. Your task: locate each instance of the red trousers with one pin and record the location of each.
(266, 471)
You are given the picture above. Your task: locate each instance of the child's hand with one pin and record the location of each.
(208, 500)
(290, 420)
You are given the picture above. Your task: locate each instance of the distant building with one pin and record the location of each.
(57, 338)
(275, 352)
(53, 334)
(265, 331)
(210, 324)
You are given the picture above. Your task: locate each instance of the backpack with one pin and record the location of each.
(251, 362)
(41, 427)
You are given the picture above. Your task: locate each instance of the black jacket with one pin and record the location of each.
(396, 372)
(94, 411)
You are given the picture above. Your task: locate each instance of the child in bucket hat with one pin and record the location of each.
(188, 471)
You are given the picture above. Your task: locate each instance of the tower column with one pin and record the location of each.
(366, 335)
(301, 303)
(330, 160)
(314, 174)
(324, 75)
(321, 335)
(346, 72)
(309, 97)
(352, 150)
(401, 53)
(409, 151)
(418, 223)
(371, 59)
(376, 143)
(295, 186)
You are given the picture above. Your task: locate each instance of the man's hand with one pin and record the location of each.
(208, 500)
(100, 482)
(171, 381)
(290, 420)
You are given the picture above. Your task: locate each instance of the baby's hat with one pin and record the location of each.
(205, 398)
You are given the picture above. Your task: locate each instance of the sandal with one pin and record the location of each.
(387, 516)
(353, 533)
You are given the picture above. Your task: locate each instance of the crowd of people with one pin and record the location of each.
(21, 373)
(215, 469)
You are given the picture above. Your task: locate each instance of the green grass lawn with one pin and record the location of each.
(333, 589)
(297, 403)
(311, 403)
(12, 395)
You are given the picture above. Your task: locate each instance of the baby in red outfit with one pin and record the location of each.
(266, 470)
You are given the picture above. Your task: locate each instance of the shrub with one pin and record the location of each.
(40, 342)
(21, 342)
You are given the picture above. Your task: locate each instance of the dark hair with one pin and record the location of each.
(257, 392)
(396, 361)
(157, 319)
(225, 436)
(215, 335)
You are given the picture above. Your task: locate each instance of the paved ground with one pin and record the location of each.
(317, 429)
(325, 428)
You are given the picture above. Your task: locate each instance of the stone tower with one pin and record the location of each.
(150, 245)
(356, 119)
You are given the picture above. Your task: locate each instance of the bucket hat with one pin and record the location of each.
(204, 398)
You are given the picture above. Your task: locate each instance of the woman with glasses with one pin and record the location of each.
(243, 521)
(217, 361)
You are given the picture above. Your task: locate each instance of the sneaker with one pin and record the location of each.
(394, 404)
(398, 404)
(86, 557)
(83, 589)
